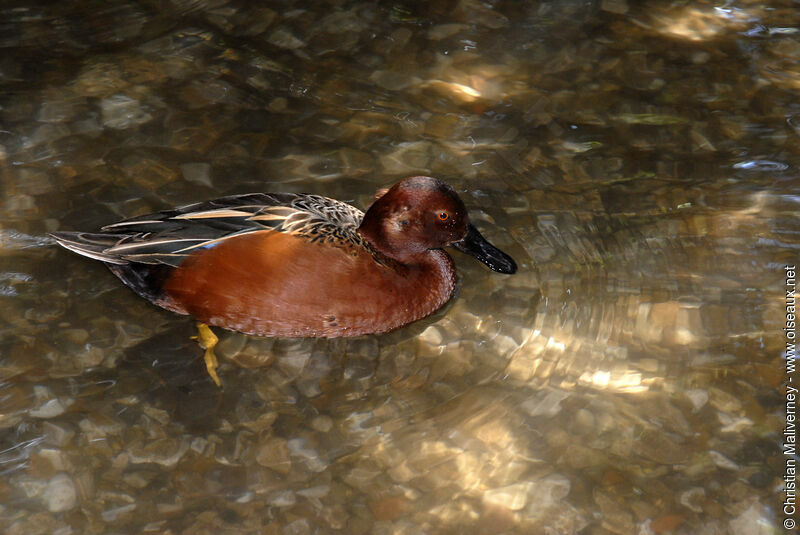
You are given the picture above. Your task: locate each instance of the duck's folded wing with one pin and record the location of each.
(168, 237)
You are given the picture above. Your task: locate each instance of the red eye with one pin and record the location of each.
(443, 216)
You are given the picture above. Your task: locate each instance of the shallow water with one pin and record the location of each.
(639, 160)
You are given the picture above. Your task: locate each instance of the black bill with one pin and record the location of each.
(476, 245)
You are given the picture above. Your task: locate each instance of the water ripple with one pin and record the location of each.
(761, 165)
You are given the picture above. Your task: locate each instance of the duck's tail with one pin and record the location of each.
(92, 245)
(147, 280)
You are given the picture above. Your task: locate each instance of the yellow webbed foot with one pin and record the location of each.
(207, 340)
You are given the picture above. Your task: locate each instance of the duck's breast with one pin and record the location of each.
(279, 284)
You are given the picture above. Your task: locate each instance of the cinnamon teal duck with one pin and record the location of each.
(292, 265)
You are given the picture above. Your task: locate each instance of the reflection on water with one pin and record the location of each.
(638, 160)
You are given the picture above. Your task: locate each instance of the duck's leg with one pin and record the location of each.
(207, 340)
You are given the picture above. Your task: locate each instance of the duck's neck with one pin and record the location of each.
(371, 229)
(382, 227)
(442, 270)
(417, 267)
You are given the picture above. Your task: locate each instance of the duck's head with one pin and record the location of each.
(422, 213)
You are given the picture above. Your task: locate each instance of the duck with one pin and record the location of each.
(296, 265)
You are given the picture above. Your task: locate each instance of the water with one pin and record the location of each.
(638, 160)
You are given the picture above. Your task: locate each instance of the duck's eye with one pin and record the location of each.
(443, 216)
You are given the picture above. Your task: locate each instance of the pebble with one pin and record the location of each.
(693, 498)
(274, 454)
(407, 158)
(198, 173)
(549, 491)
(513, 497)
(111, 515)
(120, 112)
(392, 80)
(165, 451)
(722, 461)
(293, 363)
(301, 526)
(49, 409)
(443, 31)
(308, 456)
(58, 433)
(755, 520)
(322, 423)
(698, 397)
(60, 495)
(283, 38)
(618, 7)
(546, 403)
(282, 498)
(317, 491)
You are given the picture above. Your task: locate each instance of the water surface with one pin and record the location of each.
(638, 159)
